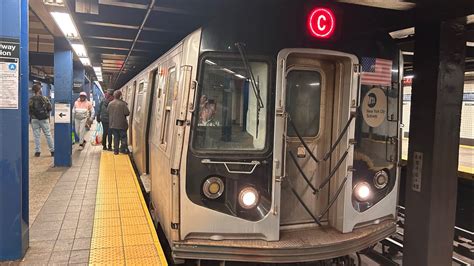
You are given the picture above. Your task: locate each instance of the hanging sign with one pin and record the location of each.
(9, 73)
(374, 107)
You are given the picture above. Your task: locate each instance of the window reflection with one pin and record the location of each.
(228, 113)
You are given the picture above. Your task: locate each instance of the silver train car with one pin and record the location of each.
(272, 134)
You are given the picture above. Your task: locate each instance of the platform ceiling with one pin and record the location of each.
(109, 35)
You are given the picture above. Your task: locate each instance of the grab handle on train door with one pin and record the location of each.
(194, 89)
(254, 165)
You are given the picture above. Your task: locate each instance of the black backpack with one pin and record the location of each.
(40, 108)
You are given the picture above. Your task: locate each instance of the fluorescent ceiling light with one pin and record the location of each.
(471, 44)
(79, 49)
(54, 2)
(407, 53)
(209, 62)
(85, 61)
(399, 34)
(98, 72)
(65, 23)
(315, 84)
(228, 70)
(240, 76)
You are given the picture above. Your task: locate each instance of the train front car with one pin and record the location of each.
(293, 149)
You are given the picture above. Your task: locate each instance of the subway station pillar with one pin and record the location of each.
(434, 142)
(79, 80)
(63, 84)
(14, 123)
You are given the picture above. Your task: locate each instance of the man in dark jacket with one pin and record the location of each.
(103, 117)
(39, 109)
(118, 112)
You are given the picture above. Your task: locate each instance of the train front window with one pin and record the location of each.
(228, 114)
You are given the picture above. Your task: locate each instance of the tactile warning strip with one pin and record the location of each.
(123, 232)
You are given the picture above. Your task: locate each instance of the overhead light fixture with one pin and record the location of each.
(65, 23)
(85, 61)
(240, 76)
(315, 84)
(403, 33)
(470, 44)
(54, 2)
(228, 70)
(407, 53)
(98, 72)
(79, 49)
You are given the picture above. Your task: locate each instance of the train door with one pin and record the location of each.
(312, 104)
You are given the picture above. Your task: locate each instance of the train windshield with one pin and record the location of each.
(229, 115)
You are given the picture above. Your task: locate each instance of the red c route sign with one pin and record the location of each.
(321, 22)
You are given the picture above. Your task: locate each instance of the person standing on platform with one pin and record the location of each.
(103, 117)
(118, 124)
(39, 109)
(81, 112)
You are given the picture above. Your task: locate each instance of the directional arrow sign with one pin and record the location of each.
(61, 113)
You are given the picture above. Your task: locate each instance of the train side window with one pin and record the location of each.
(139, 102)
(168, 104)
(141, 87)
(303, 101)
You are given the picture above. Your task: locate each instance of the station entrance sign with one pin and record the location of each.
(9, 73)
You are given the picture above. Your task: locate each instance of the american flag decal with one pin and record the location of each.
(376, 71)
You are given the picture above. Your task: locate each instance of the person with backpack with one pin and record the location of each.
(103, 117)
(39, 109)
(81, 112)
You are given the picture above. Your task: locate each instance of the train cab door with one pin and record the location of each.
(311, 104)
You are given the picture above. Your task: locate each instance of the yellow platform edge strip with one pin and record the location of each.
(110, 244)
(161, 254)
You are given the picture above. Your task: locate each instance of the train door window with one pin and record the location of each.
(168, 104)
(139, 102)
(303, 99)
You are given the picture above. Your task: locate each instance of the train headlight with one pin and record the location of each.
(213, 187)
(362, 191)
(380, 179)
(248, 197)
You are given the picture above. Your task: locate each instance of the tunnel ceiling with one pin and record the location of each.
(109, 35)
(109, 29)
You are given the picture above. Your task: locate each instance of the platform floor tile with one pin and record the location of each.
(123, 232)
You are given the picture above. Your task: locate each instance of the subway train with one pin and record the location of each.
(271, 134)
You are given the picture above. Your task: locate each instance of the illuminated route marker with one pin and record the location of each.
(321, 23)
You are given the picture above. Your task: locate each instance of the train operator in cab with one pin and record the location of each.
(82, 111)
(118, 124)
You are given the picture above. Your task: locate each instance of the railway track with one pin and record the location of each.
(388, 251)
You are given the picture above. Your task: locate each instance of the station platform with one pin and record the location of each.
(90, 214)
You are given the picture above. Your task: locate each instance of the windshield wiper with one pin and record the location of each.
(256, 89)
